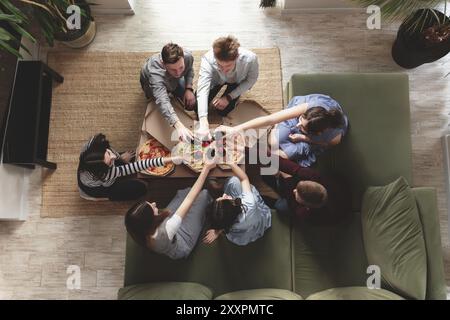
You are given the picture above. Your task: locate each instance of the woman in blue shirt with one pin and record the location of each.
(307, 126)
(240, 213)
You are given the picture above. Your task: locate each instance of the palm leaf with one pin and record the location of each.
(8, 6)
(9, 38)
(9, 18)
(5, 35)
(6, 47)
(23, 32)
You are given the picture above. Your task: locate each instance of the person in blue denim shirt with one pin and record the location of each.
(240, 213)
(322, 125)
(304, 129)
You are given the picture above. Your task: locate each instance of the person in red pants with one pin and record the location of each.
(308, 194)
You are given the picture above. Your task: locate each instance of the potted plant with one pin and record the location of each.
(51, 16)
(267, 3)
(424, 35)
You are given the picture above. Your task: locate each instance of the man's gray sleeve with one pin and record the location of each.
(163, 102)
(189, 77)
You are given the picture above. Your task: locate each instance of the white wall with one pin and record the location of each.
(113, 6)
(318, 4)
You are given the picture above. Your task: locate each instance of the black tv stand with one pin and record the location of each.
(26, 137)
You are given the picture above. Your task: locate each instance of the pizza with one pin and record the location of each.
(233, 150)
(194, 153)
(152, 148)
(229, 150)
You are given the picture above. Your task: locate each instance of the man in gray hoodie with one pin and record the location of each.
(170, 72)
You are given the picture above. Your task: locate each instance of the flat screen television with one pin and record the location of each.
(8, 64)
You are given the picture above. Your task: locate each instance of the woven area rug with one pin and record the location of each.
(101, 93)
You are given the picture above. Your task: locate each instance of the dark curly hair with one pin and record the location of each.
(224, 212)
(320, 119)
(171, 53)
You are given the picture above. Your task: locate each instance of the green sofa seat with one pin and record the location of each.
(308, 258)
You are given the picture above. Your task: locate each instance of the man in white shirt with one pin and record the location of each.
(226, 64)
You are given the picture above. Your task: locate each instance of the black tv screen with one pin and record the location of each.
(8, 64)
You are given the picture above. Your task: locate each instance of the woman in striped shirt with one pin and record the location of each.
(104, 173)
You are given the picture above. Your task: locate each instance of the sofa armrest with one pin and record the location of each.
(429, 216)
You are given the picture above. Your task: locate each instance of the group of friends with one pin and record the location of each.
(234, 207)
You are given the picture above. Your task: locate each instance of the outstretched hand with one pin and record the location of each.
(184, 134)
(127, 156)
(211, 236)
(225, 130)
(211, 158)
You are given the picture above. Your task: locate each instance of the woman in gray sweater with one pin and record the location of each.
(175, 230)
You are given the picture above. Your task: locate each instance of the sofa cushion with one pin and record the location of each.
(393, 238)
(260, 294)
(166, 291)
(354, 293)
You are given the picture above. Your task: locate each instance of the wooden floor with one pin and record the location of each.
(34, 255)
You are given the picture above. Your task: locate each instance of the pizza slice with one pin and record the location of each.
(153, 149)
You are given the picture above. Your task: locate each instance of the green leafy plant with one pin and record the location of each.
(50, 14)
(16, 21)
(267, 3)
(404, 9)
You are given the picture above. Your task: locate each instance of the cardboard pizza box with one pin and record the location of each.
(247, 110)
(155, 124)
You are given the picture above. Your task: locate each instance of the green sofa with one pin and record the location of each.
(301, 261)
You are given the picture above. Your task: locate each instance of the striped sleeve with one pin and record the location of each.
(134, 167)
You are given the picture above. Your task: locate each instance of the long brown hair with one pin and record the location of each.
(141, 222)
